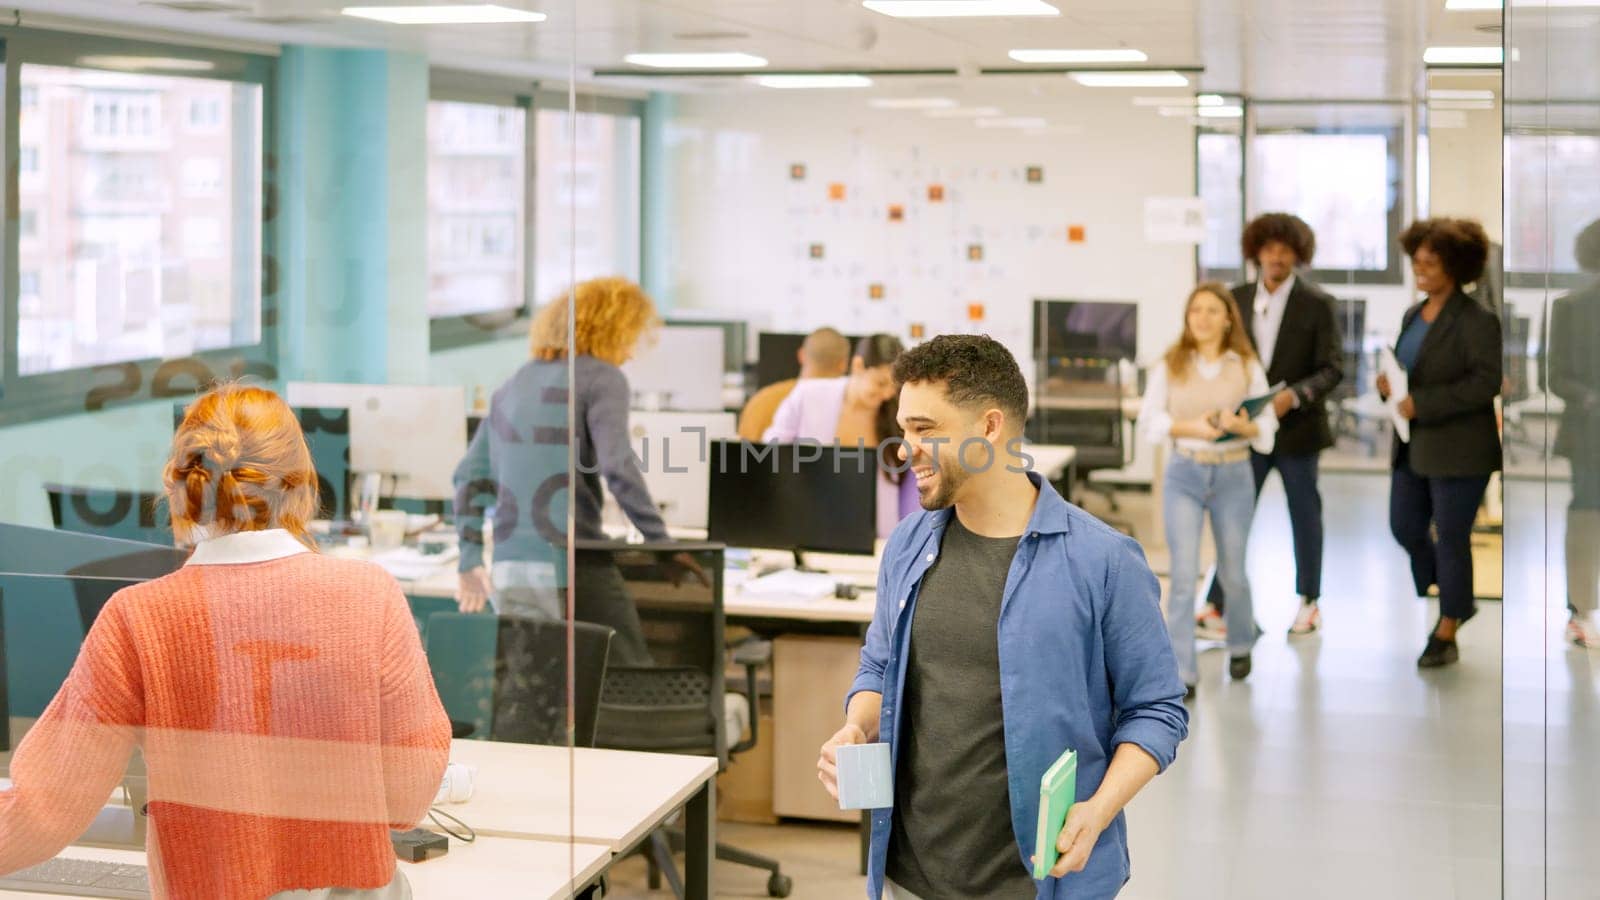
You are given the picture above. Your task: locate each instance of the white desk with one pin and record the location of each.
(609, 797)
(487, 867)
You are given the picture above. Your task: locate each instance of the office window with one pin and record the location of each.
(28, 160)
(477, 208)
(587, 221)
(28, 224)
(202, 177)
(1341, 184)
(129, 268)
(1539, 238)
(1221, 169)
(205, 114)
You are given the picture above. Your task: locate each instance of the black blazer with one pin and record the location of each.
(1457, 376)
(1306, 359)
(1572, 335)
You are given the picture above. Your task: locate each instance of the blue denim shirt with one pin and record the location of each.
(1085, 664)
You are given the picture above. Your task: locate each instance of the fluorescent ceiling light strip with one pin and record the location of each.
(968, 112)
(949, 9)
(472, 14)
(1221, 112)
(913, 103)
(1130, 79)
(1472, 4)
(695, 60)
(1013, 122)
(1079, 56)
(1449, 94)
(1199, 100)
(805, 82)
(145, 63)
(1462, 56)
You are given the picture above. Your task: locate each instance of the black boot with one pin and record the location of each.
(1239, 667)
(1438, 653)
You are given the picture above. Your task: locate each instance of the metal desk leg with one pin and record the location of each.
(866, 837)
(700, 850)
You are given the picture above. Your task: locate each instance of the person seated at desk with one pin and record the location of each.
(825, 354)
(859, 408)
(286, 712)
(519, 459)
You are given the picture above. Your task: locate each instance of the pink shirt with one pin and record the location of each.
(811, 413)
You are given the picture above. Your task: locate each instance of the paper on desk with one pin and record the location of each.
(1399, 389)
(791, 583)
(410, 564)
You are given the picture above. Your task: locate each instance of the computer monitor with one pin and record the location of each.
(126, 515)
(735, 339)
(793, 497)
(1079, 329)
(778, 355)
(681, 371)
(327, 433)
(416, 434)
(52, 586)
(674, 449)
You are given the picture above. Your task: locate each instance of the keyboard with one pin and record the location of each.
(81, 878)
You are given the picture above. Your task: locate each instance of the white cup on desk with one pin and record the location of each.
(387, 528)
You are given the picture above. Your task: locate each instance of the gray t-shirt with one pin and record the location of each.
(952, 834)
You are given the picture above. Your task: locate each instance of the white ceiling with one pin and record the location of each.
(1355, 49)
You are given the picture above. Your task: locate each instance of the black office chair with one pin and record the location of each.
(679, 705)
(1078, 402)
(505, 677)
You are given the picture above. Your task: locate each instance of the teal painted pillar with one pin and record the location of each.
(656, 238)
(352, 185)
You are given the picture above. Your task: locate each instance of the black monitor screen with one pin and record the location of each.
(793, 497)
(1082, 328)
(779, 355)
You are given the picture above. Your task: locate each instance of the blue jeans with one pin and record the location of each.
(1299, 474)
(1228, 492)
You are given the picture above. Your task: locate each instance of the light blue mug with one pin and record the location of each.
(865, 779)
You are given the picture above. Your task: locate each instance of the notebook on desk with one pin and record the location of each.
(791, 583)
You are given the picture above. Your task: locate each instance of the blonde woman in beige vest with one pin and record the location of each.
(1191, 405)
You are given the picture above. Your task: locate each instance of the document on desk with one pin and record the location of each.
(411, 564)
(791, 583)
(1399, 389)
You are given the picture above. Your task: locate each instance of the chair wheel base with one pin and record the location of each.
(779, 885)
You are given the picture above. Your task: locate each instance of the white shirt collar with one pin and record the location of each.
(245, 547)
(1281, 294)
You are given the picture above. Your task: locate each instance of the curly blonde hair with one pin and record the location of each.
(240, 463)
(613, 315)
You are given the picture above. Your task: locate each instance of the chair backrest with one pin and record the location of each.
(1079, 403)
(676, 704)
(507, 675)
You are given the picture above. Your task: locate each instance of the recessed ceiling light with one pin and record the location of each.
(1079, 56)
(1221, 112)
(695, 60)
(1463, 56)
(1208, 100)
(471, 14)
(1013, 122)
(146, 63)
(1443, 94)
(1130, 79)
(913, 103)
(806, 82)
(969, 112)
(942, 9)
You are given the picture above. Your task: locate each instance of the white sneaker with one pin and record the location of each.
(1208, 624)
(1306, 621)
(1582, 632)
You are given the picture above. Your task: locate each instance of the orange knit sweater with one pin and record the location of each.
(288, 720)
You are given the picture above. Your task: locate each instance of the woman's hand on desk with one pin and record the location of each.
(681, 567)
(472, 591)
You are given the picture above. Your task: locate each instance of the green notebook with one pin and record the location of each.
(1252, 407)
(1058, 789)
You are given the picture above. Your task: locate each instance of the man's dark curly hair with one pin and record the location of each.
(1461, 245)
(977, 371)
(1587, 247)
(1284, 228)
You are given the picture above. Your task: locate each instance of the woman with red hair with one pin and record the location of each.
(286, 712)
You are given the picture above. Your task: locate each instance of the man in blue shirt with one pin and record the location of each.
(1010, 627)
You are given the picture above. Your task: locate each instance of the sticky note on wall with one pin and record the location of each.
(1076, 234)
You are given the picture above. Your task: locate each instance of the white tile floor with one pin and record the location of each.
(1338, 770)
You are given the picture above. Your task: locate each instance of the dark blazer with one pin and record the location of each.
(1574, 372)
(1457, 376)
(1306, 359)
